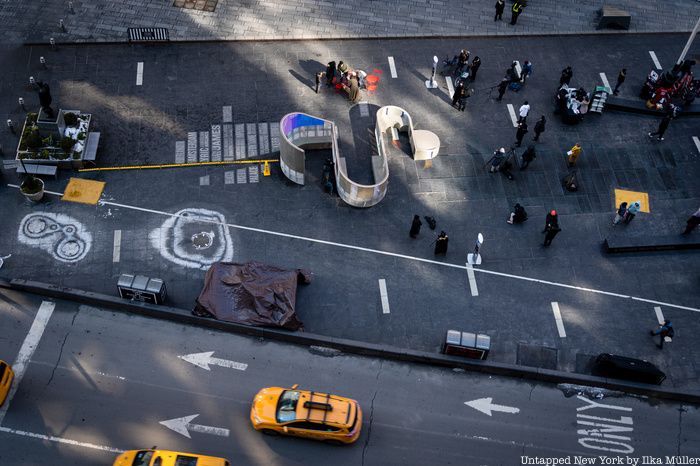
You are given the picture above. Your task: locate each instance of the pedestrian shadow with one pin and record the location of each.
(311, 67)
(308, 82)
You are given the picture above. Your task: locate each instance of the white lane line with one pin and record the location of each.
(518, 68)
(31, 341)
(513, 118)
(660, 317)
(139, 73)
(384, 295)
(390, 254)
(655, 60)
(116, 252)
(697, 142)
(450, 86)
(558, 320)
(392, 67)
(472, 280)
(605, 82)
(66, 441)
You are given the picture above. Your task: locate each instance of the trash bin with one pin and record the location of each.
(140, 288)
(467, 344)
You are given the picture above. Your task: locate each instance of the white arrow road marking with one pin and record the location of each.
(485, 405)
(203, 360)
(182, 425)
(31, 341)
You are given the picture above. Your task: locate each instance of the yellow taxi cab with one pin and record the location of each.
(6, 377)
(303, 413)
(153, 457)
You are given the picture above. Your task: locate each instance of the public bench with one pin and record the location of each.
(611, 16)
(148, 35)
(37, 169)
(615, 244)
(637, 105)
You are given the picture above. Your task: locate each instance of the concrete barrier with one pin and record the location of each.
(344, 345)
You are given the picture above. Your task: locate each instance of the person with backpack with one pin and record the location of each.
(664, 330)
(620, 214)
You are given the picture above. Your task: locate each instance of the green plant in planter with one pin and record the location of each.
(43, 154)
(81, 136)
(61, 155)
(70, 119)
(48, 141)
(31, 118)
(31, 185)
(67, 144)
(33, 139)
(77, 154)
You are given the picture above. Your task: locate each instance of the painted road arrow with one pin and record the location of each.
(182, 425)
(203, 360)
(485, 405)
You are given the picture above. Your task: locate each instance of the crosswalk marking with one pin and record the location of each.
(204, 146)
(216, 143)
(227, 114)
(139, 73)
(241, 176)
(179, 151)
(655, 60)
(518, 68)
(192, 147)
(558, 319)
(392, 67)
(660, 317)
(450, 86)
(472, 280)
(230, 177)
(240, 141)
(204, 180)
(697, 142)
(605, 82)
(253, 174)
(263, 139)
(228, 143)
(384, 296)
(513, 118)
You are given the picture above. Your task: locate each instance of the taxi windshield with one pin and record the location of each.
(142, 458)
(287, 406)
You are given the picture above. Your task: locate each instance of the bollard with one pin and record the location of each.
(42, 60)
(11, 126)
(70, 8)
(431, 83)
(63, 26)
(52, 42)
(475, 258)
(21, 104)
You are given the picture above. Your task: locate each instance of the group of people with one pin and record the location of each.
(514, 79)
(442, 240)
(516, 9)
(342, 77)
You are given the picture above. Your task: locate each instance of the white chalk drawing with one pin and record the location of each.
(194, 238)
(62, 236)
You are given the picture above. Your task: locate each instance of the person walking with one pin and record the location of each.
(539, 128)
(620, 79)
(499, 156)
(520, 134)
(566, 75)
(663, 126)
(500, 6)
(319, 75)
(518, 7)
(528, 156)
(632, 211)
(462, 61)
(502, 86)
(620, 214)
(460, 91)
(573, 154)
(692, 222)
(476, 63)
(415, 226)
(518, 215)
(551, 227)
(441, 244)
(664, 330)
(523, 111)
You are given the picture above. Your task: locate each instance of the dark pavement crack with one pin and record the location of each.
(60, 353)
(681, 410)
(371, 415)
(532, 389)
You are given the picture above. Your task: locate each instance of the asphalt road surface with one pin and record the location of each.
(97, 382)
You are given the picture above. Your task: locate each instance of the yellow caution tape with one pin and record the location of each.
(176, 165)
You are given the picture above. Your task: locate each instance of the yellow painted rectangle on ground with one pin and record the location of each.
(622, 195)
(83, 191)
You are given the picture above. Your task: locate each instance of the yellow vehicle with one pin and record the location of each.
(6, 377)
(307, 414)
(155, 457)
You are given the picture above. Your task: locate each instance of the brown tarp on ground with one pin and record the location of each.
(252, 293)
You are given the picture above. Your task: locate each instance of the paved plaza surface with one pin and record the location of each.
(200, 102)
(108, 20)
(98, 382)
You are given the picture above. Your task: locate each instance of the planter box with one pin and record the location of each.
(50, 127)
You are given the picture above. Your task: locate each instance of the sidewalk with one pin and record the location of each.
(106, 21)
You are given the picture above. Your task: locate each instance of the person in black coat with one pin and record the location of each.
(500, 6)
(528, 156)
(441, 244)
(662, 128)
(476, 63)
(551, 227)
(502, 88)
(520, 134)
(566, 75)
(460, 92)
(415, 226)
(539, 128)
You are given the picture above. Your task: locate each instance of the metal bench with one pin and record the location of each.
(90, 150)
(613, 17)
(621, 243)
(148, 35)
(37, 169)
